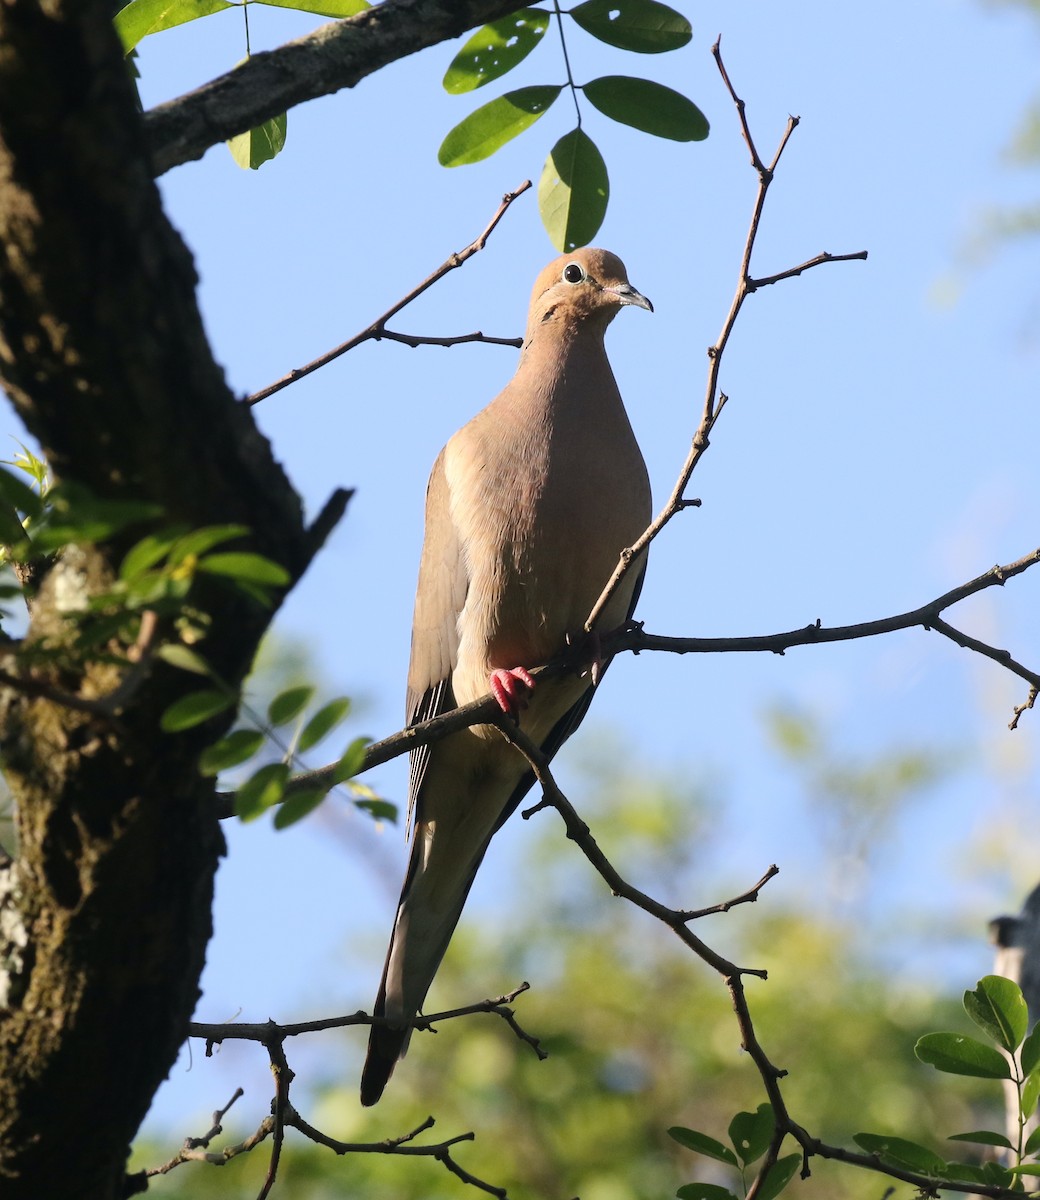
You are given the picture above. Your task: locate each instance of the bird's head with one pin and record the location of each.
(586, 286)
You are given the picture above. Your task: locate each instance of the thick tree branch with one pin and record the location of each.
(338, 55)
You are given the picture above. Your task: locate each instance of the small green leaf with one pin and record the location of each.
(957, 1054)
(261, 791)
(693, 1139)
(1025, 1169)
(77, 515)
(1033, 1142)
(257, 146)
(1031, 1052)
(288, 705)
(1030, 1093)
(297, 805)
(640, 25)
(998, 1008)
(751, 1133)
(323, 722)
(322, 8)
(142, 17)
(146, 553)
(495, 123)
(903, 1153)
(193, 709)
(495, 49)
(573, 191)
(779, 1176)
(19, 495)
(379, 810)
(230, 751)
(704, 1191)
(191, 545)
(353, 760)
(981, 1137)
(183, 658)
(12, 531)
(648, 106)
(245, 566)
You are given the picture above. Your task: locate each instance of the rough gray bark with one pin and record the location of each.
(336, 56)
(105, 914)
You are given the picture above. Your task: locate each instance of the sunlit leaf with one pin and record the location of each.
(960, 1055)
(573, 191)
(193, 709)
(704, 1191)
(147, 552)
(183, 658)
(238, 746)
(998, 1008)
(297, 805)
(257, 146)
(288, 705)
(1031, 1052)
(1033, 1141)
(779, 1176)
(19, 495)
(352, 760)
(751, 1133)
(190, 545)
(981, 1137)
(648, 106)
(495, 123)
(702, 1143)
(641, 25)
(904, 1153)
(1030, 1093)
(323, 722)
(248, 567)
(261, 791)
(321, 8)
(142, 17)
(495, 49)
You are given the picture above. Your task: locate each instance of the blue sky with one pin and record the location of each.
(880, 445)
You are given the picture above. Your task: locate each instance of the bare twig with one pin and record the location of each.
(714, 400)
(378, 329)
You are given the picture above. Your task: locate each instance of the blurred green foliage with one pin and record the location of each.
(641, 1035)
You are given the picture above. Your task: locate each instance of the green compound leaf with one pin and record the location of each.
(142, 17)
(248, 567)
(648, 106)
(297, 805)
(495, 49)
(998, 1008)
(640, 25)
(321, 8)
(693, 1139)
(493, 124)
(193, 709)
(257, 146)
(751, 1133)
(573, 191)
(288, 705)
(230, 751)
(322, 723)
(903, 1153)
(261, 791)
(957, 1054)
(779, 1176)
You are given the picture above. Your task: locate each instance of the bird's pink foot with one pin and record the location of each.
(510, 688)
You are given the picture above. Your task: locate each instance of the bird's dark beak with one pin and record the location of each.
(627, 294)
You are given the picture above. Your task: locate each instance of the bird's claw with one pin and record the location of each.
(510, 689)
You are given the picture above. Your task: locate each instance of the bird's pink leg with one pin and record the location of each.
(510, 688)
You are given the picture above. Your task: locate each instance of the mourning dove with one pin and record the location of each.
(528, 509)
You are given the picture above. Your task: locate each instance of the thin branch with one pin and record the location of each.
(748, 897)
(714, 400)
(192, 1145)
(378, 329)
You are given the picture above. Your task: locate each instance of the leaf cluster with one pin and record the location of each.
(574, 189)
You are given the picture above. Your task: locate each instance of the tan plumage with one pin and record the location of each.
(527, 510)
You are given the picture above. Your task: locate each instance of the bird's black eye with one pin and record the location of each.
(574, 272)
